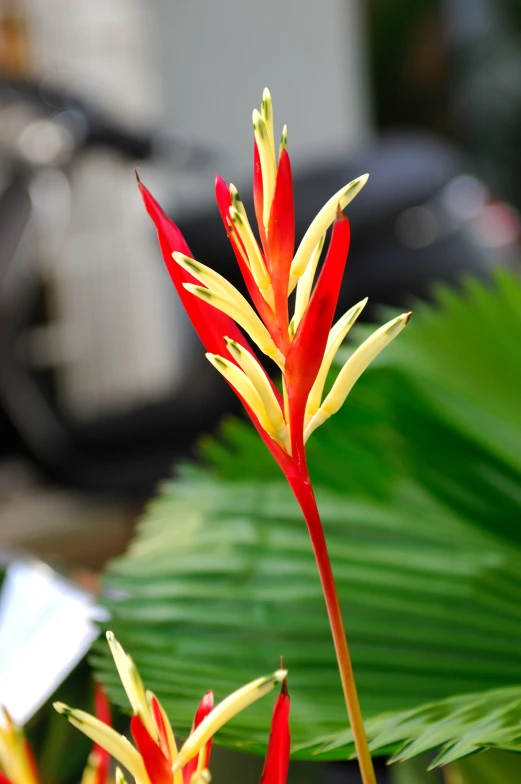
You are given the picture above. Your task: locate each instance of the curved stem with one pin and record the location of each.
(301, 485)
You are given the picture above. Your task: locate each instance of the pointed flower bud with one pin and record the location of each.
(353, 369)
(267, 162)
(321, 223)
(225, 711)
(283, 140)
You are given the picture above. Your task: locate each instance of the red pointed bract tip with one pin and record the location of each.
(157, 765)
(160, 724)
(276, 763)
(205, 707)
(210, 324)
(4, 779)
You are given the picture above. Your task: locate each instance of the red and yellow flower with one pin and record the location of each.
(303, 345)
(155, 757)
(17, 763)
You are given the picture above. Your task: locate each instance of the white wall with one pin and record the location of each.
(216, 56)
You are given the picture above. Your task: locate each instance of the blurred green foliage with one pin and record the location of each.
(419, 484)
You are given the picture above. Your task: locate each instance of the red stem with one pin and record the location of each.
(301, 485)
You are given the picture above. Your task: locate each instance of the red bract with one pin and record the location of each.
(157, 764)
(276, 764)
(101, 757)
(204, 709)
(303, 347)
(209, 325)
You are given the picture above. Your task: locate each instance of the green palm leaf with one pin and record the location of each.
(460, 726)
(419, 485)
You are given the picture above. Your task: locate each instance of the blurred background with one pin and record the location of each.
(103, 384)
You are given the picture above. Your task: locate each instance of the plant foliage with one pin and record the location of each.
(419, 484)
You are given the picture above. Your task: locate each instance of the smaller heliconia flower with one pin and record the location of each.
(155, 758)
(17, 763)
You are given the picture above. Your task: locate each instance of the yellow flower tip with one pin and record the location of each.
(283, 140)
(200, 291)
(320, 225)
(396, 326)
(120, 776)
(235, 215)
(223, 712)
(257, 120)
(61, 707)
(267, 110)
(234, 347)
(185, 261)
(201, 777)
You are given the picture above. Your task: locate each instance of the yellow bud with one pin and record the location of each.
(305, 284)
(132, 683)
(336, 336)
(320, 225)
(223, 712)
(353, 369)
(268, 164)
(257, 375)
(99, 732)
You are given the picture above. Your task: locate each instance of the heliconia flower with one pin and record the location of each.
(303, 346)
(17, 760)
(155, 758)
(17, 764)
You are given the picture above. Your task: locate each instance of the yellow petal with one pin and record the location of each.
(283, 140)
(240, 381)
(99, 732)
(132, 683)
(90, 771)
(336, 336)
(354, 368)
(201, 777)
(256, 261)
(223, 712)
(14, 758)
(236, 200)
(257, 375)
(241, 312)
(120, 776)
(305, 284)
(268, 164)
(320, 225)
(267, 115)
